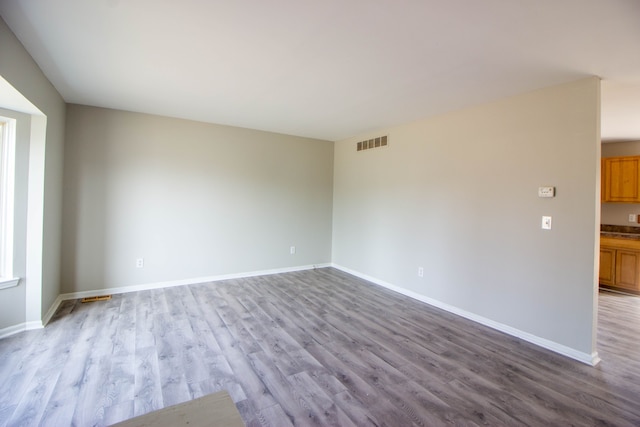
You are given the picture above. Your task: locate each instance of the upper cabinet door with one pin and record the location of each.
(621, 179)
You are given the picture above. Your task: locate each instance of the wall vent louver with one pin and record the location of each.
(97, 298)
(381, 141)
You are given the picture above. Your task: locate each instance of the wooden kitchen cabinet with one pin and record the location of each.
(607, 266)
(627, 269)
(620, 264)
(621, 179)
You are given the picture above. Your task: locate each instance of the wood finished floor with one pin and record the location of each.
(310, 348)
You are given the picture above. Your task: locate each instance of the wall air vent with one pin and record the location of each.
(98, 298)
(381, 141)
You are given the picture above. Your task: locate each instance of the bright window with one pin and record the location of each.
(7, 175)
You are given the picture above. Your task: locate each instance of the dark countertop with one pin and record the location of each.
(620, 231)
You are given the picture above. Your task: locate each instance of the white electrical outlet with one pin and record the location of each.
(292, 250)
(633, 217)
(420, 272)
(140, 263)
(546, 223)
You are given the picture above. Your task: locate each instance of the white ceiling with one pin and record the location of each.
(330, 69)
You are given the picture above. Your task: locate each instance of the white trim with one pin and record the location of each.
(9, 283)
(589, 359)
(12, 330)
(52, 310)
(35, 218)
(7, 199)
(36, 324)
(182, 282)
(21, 327)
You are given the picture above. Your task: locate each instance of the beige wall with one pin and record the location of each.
(193, 199)
(457, 195)
(46, 151)
(618, 213)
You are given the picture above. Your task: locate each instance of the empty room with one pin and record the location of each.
(361, 213)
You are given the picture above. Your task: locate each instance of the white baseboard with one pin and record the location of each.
(27, 326)
(11, 330)
(589, 359)
(181, 282)
(21, 327)
(52, 310)
(14, 329)
(36, 324)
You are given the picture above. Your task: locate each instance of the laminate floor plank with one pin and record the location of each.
(316, 347)
(143, 319)
(310, 323)
(13, 350)
(297, 409)
(416, 403)
(68, 385)
(148, 391)
(177, 365)
(117, 413)
(252, 385)
(30, 409)
(5, 414)
(321, 402)
(554, 406)
(364, 394)
(62, 343)
(56, 416)
(271, 416)
(121, 384)
(470, 333)
(278, 343)
(93, 387)
(385, 324)
(483, 394)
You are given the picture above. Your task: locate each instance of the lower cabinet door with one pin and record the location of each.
(627, 275)
(607, 266)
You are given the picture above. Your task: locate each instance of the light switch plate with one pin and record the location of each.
(546, 223)
(633, 217)
(546, 191)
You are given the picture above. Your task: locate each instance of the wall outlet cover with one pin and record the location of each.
(546, 191)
